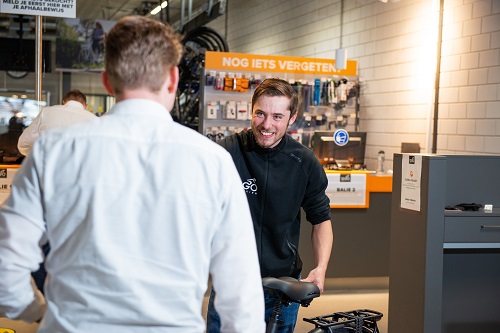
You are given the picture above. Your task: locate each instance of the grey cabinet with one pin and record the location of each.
(472, 229)
(444, 273)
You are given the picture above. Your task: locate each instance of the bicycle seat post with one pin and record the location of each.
(275, 319)
(287, 290)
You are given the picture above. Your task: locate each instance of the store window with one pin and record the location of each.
(99, 104)
(20, 104)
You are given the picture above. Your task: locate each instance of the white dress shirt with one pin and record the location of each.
(51, 117)
(138, 211)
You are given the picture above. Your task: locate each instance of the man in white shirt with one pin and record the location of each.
(138, 210)
(73, 110)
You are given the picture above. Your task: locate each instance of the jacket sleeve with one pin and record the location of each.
(234, 264)
(316, 203)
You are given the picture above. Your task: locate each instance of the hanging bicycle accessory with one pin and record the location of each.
(196, 43)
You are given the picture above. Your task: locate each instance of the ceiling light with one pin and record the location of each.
(341, 59)
(157, 9)
(341, 53)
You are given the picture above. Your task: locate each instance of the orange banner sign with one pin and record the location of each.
(281, 64)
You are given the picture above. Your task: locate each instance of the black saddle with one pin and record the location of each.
(293, 289)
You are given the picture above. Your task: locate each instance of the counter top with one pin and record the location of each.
(352, 188)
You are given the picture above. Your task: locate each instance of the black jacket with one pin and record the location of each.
(278, 181)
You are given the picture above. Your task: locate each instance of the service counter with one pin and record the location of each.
(7, 173)
(360, 204)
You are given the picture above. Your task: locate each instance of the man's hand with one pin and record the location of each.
(316, 276)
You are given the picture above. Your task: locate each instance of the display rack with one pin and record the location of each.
(328, 97)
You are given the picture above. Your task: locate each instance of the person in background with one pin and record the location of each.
(72, 110)
(9, 152)
(98, 35)
(280, 176)
(138, 213)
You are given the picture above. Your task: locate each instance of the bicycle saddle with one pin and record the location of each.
(296, 291)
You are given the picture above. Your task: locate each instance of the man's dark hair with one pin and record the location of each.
(277, 87)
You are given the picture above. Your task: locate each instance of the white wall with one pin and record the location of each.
(395, 44)
(470, 78)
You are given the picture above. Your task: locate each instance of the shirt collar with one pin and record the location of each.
(74, 104)
(140, 107)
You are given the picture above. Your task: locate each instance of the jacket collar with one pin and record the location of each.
(252, 145)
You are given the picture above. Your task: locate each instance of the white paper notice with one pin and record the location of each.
(410, 182)
(57, 8)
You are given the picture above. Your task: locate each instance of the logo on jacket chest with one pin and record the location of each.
(250, 186)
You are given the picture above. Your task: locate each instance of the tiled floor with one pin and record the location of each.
(340, 295)
(349, 294)
(16, 326)
(336, 301)
(345, 295)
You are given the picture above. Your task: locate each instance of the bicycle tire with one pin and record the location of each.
(84, 58)
(317, 330)
(206, 32)
(196, 42)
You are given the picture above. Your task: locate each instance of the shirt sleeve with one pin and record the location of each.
(29, 135)
(234, 265)
(21, 230)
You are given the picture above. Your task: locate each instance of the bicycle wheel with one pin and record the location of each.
(84, 58)
(196, 42)
(318, 330)
(210, 37)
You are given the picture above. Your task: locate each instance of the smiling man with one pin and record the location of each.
(280, 176)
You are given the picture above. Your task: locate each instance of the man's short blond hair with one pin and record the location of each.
(140, 52)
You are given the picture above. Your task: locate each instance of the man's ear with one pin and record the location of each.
(107, 84)
(292, 119)
(174, 79)
(168, 89)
